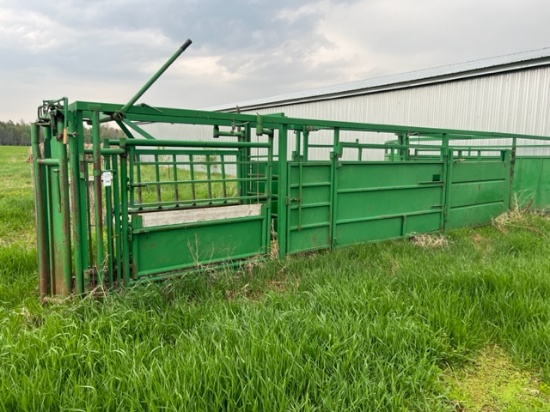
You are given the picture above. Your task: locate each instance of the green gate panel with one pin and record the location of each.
(308, 173)
(479, 192)
(465, 171)
(424, 223)
(377, 201)
(309, 206)
(380, 228)
(309, 216)
(358, 205)
(473, 193)
(531, 187)
(384, 174)
(162, 249)
(309, 239)
(474, 215)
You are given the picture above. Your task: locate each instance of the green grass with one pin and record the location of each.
(387, 326)
(201, 189)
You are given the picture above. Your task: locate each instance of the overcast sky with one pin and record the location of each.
(105, 50)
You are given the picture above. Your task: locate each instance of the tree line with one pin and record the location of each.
(19, 134)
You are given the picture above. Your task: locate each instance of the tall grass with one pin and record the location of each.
(370, 327)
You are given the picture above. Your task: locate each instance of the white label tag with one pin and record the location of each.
(106, 178)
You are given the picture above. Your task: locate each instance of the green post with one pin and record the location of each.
(75, 140)
(98, 196)
(269, 190)
(306, 145)
(109, 218)
(333, 187)
(298, 144)
(39, 201)
(126, 241)
(507, 159)
(65, 232)
(448, 176)
(282, 223)
(117, 217)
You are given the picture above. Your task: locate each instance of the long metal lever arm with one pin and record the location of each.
(155, 77)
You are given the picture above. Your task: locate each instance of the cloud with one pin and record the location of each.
(105, 50)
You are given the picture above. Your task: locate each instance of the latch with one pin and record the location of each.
(290, 200)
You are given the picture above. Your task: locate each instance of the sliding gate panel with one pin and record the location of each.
(191, 208)
(384, 200)
(531, 186)
(309, 206)
(478, 191)
(176, 240)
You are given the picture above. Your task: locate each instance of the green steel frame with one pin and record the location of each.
(142, 208)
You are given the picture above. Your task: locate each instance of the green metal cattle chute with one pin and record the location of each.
(234, 186)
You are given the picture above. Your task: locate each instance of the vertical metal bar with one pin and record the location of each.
(513, 171)
(268, 191)
(242, 172)
(135, 177)
(40, 210)
(224, 187)
(247, 151)
(448, 161)
(300, 193)
(109, 219)
(98, 197)
(298, 145)
(85, 204)
(65, 213)
(306, 146)
(83, 195)
(508, 165)
(157, 179)
(76, 211)
(175, 170)
(125, 239)
(117, 217)
(207, 160)
(48, 206)
(192, 176)
(332, 241)
(282, 219)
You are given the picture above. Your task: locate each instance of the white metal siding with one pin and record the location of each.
(513, 102)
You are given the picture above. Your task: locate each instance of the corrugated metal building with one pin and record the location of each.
(503, 94)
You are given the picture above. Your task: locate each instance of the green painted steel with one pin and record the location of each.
(531, 186)
(92, 232)
(309, 206)
(140, 208)
(165, 249)
(479, 191)
(385, 200)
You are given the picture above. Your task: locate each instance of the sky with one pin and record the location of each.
(105, 50)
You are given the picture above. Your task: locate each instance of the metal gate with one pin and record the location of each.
(479, 190)
(192, 208)
(141, 207)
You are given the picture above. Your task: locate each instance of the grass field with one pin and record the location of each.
(456, 323)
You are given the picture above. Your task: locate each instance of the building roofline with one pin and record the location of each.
(476, 68)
